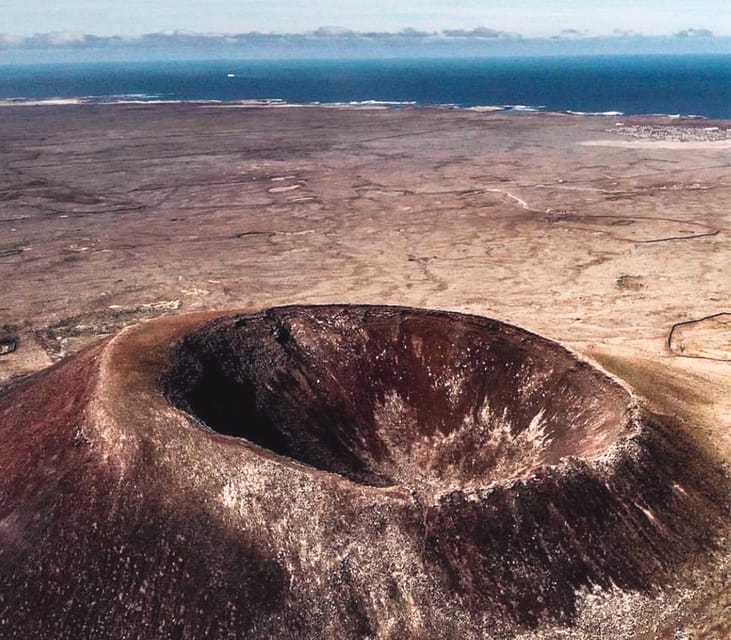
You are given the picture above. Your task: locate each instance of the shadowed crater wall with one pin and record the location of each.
(388, 396)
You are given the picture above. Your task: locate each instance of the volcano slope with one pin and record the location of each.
(340, 472)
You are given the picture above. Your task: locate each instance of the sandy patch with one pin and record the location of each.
(690, 145)
(289, 187)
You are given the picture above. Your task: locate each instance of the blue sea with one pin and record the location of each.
(698, 85)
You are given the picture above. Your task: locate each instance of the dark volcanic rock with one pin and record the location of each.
(8, 339)
(341, 472)
(8, 345)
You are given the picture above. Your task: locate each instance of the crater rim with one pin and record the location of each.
(312, 443)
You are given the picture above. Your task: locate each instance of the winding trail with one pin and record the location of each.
(512, 196)
(709, 233)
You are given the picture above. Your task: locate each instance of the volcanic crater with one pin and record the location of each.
(338, 471)
(396, 396)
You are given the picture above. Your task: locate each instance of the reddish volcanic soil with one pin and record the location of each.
(340, 470)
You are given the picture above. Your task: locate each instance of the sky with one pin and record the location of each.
(530, 18)
(119, 30)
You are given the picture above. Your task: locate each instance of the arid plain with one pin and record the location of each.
(607, 234)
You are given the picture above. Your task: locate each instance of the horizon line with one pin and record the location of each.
(478, 35)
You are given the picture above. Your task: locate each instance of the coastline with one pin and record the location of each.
(142, 99)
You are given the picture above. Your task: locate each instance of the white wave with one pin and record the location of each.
(594, 113)
(487, 108)
(30, 102)
(523, 107)
(152, 99)
(114, 98)
(381, 103)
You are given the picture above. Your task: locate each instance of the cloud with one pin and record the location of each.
(625, 33)
(57, 40)
(413, 33)
(572, 34)
(479, 33)
(11, 42)
(694, 33)
(324, 34)
(336, 40)
(333, 32)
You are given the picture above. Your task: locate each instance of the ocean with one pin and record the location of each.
(692, 85)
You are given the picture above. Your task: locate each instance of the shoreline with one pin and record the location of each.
(143, 99)
(626, 131)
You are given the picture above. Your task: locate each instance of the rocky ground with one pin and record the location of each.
(700, 132)
(113, 214)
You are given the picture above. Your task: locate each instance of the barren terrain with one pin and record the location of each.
(617, 246)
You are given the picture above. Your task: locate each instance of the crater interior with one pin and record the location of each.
(391, 395)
